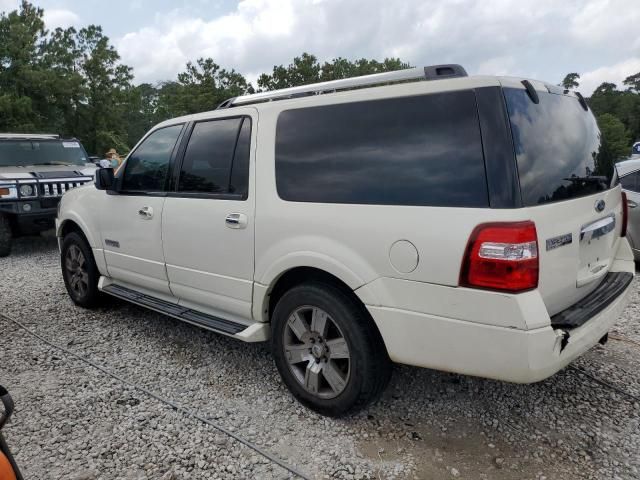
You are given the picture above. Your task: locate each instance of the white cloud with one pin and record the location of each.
(537, 38)
(8, 5)
(54, 18)
(589, 81)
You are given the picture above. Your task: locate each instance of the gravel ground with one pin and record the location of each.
(73, 421)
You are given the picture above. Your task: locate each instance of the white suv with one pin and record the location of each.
(422, 217)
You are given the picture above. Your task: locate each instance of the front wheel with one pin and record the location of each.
(5, 236)
(327, 350)
(79, 271)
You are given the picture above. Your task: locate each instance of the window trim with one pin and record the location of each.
(173, 191)
(172, 159)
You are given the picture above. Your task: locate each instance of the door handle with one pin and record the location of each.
(236, 220)
(631, 204)
(146, 213)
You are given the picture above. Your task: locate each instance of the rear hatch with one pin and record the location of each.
(565, 185)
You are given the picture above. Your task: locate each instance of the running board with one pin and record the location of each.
(181, 313)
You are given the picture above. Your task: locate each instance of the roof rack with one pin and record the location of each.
(432, 72)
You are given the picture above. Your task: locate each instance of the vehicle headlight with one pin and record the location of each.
(27, 190)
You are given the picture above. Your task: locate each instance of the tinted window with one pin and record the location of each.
(422, 150)
(208, 160)
(240, 168)
(41, 152)
(147, 167)
(557, 147)
(631, 182)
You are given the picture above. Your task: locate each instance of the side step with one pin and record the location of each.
(182, 313)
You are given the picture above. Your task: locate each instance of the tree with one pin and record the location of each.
(306, 69)
(570, 81)
(107, 87)
(615, 143)
(21, 88)
(204, 85)
(633, 82)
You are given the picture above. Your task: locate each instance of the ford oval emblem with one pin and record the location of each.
(600, 205)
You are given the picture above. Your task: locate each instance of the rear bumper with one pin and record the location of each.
(523, 348)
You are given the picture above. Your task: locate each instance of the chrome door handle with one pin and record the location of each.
(236, 220)
(146, 213)
(631, 204)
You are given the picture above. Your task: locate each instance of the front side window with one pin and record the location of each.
(147, 167)
(422, 150)
(216, 160)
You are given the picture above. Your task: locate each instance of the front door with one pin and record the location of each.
(131, 220)
(208, 227)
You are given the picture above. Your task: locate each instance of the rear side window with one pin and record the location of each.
(631, 182)
(216, 160)
(557, 147)
(423, 150)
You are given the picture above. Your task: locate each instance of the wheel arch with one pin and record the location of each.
(305, 274)
(69, 225)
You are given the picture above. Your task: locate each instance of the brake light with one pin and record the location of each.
(625, 215)
(502, 256)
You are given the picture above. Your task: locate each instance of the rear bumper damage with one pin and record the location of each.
(523, 345)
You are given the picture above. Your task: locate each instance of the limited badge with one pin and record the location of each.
(559, 241)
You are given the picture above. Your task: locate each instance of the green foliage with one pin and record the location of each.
(622, 105)
(306, 69)
(571, 81)
(633, 82)
(615, 141)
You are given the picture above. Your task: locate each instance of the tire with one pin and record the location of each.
(6, 238)
(312, 325)
(79, 271)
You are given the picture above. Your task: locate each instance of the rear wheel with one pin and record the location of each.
(79, 271)
(327, 350)
(6, 238)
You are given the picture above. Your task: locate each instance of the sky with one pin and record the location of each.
(542, 39)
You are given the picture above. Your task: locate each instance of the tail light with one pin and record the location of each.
(502, 256)
(625, 215)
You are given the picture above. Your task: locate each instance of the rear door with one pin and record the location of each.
(564, 183)
(208, 220)
(631, 185)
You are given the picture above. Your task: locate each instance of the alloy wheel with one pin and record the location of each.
(317, 352)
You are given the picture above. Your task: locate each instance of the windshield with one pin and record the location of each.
(557, 147)
(41, 152)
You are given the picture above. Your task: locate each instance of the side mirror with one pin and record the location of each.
(105, 179)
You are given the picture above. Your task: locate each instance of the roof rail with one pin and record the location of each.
(432, 72)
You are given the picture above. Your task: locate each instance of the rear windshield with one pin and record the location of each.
(41, 152)
(557, 147)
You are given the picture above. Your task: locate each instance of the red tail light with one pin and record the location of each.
(502, 256)
(625, 215)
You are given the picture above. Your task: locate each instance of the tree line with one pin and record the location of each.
(72, 82)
